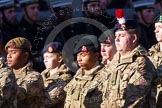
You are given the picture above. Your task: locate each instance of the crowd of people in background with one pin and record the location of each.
(117, 58)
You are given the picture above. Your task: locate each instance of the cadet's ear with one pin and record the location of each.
(134, 38)
(26, 55)
(60, 59)
(139, 14)
(97, 55)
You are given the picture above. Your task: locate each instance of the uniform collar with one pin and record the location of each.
(63, 69)
(92, 72)
(155, 48)
(138, 51)
(24, 71)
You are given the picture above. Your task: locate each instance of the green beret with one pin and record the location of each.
(19, 43)
(158, 18)
(87, 43)
(107, 37)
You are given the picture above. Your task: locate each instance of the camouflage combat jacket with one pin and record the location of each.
(54, 85)
(155, 56)
(83, 91)
(8, 87)
(31, 93)
(130, 82)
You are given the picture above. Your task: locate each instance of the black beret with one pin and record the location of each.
(129, 24)
(87, 43)
(53, 47)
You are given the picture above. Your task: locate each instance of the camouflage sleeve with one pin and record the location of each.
(139, 85)
(68, 89)
(105, 85)
(32, 85)
(56, 92)
(156, 60)
(66, 77)
(8, 86)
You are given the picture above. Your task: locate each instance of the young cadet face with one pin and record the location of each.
(52, 60)
(33, 11)
(10, 15)
(158, 31)
(16, 58)
(124, 41)
(86, 60)
(107, 51)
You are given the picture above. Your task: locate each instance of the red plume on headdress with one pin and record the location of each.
(120, 16)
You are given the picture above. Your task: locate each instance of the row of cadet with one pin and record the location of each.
(128, 76)
(37, 32)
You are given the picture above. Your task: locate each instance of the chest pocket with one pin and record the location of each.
(92, 96)
(90, 88)
(124, 81)
(20, 81)
(70, 91)
(77, 90)
(119, 81)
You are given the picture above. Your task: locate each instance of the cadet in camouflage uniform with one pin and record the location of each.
(8, 87)
(83, 91)
(155, 53)
(30, 83)
(108, 48)
(131, 72)
(56, 75)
